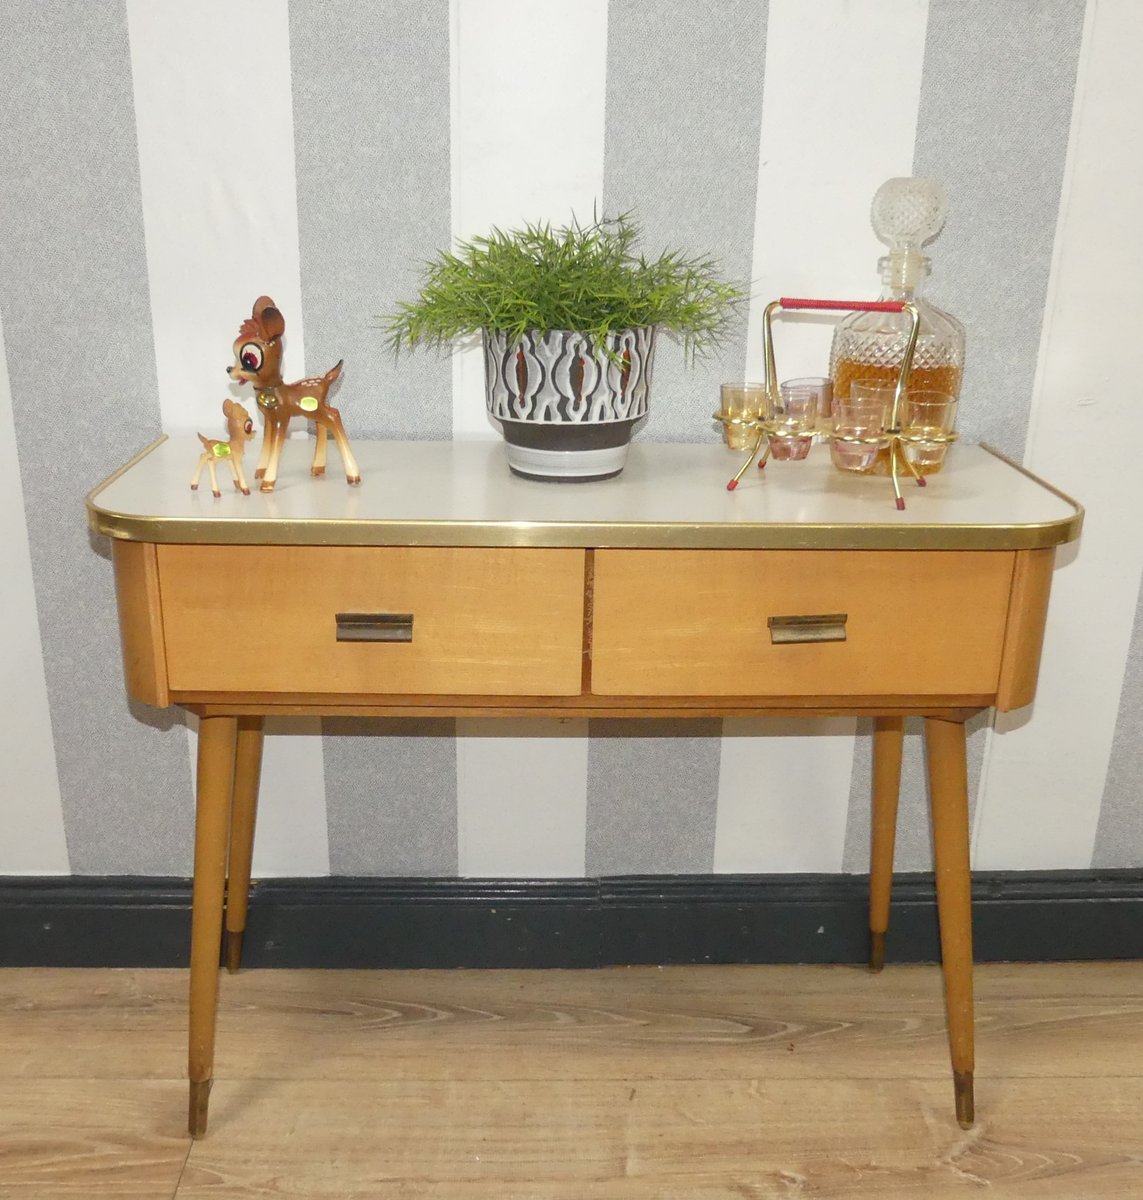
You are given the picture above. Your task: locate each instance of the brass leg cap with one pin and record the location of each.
(965, 1106)
(199, 1102)
(233, 950)
(876, 950)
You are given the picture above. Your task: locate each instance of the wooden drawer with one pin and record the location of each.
(694, 623)
(262, 619)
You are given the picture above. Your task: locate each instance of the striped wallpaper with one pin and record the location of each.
(161, 164)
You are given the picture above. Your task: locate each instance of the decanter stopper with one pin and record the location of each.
(906, 213)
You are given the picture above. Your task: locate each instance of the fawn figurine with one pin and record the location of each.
(241, 430)
(258, 361)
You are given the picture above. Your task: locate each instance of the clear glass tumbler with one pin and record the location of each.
(794, 418)
(821, 386)
(858, 416)
(927, 412)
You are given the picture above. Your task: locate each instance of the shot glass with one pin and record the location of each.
(874, 389)
(742, 401)
(794, 418)
(821, 386)
(927, 412)
(857, 416)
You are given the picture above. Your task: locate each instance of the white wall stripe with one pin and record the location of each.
(31, 815)
(1043, 777)
(528, 87)
(216, 158)
(522, 813)
(837, 120)
(778, 789)
(839, 116)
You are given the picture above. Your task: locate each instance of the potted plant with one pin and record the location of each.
(568, 318)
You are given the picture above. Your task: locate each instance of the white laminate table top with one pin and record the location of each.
(462, 493)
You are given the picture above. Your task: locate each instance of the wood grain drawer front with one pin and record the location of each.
(694, 623)
(263, 619)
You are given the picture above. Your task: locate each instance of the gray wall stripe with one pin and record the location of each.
(995, 110)
(914, 841)
(683, 114)
(371, 132)
(652, 796)
(1119, 835)
(77, 323)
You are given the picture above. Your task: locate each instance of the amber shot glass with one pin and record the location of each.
(741, 402)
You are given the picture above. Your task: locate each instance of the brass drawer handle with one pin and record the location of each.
(817, 627)
(374, 627)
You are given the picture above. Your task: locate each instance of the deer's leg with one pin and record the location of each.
(239, 477)
(271, 476)
(318, 467)
(352, 471)
(213, 477)
(267, 444)
(202, 461)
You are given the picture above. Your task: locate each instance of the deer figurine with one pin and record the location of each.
(241, 430)
(258, 361)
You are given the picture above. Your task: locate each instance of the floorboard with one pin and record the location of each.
(695, 1082)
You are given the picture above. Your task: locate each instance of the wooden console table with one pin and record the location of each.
(444, 585)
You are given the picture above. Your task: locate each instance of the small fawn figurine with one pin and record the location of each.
(258, 361)
(241, 430)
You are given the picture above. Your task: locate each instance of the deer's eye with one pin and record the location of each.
(249, 427)
(250, 356)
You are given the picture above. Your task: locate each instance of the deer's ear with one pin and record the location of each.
(266, 313)
(227, 407)
(273, 323)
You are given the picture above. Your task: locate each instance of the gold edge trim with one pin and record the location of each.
(611, 536)
(95, 513)
(1077, 519)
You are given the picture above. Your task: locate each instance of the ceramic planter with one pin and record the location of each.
(567, 409)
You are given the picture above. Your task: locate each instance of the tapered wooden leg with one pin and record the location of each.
(948, 791)
(243, 812)
(216, 737)
(888, 740)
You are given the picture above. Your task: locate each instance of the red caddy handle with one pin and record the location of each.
(793, 302)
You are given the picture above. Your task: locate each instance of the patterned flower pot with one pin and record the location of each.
(566, 408)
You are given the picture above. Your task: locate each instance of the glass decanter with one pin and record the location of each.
(906, 213)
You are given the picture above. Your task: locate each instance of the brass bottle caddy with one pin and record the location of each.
(892, 436)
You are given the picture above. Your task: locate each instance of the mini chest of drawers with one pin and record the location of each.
(445, 585)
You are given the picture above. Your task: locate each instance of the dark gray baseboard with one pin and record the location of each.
(371, 922)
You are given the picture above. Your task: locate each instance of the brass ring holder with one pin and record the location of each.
(891, 436)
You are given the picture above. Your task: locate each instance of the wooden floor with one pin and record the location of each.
(684, 1082)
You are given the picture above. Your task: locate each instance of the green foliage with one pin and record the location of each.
(586, 278)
